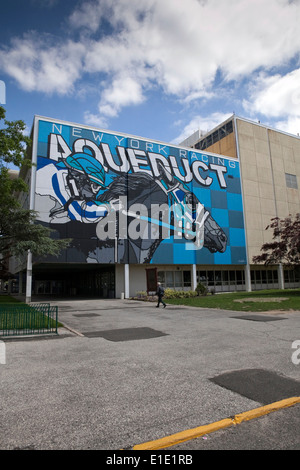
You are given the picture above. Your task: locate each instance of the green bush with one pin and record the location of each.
(141, 293)
(179, 294)
(201, 289)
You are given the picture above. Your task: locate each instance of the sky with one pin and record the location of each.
(158, 69)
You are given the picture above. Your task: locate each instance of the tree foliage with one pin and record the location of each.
(18, 230)
(13, 142)
(285, 247)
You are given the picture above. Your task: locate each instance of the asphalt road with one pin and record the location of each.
(122, 373)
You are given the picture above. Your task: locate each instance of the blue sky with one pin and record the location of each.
(159, 69)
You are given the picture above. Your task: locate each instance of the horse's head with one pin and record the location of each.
(214, 237)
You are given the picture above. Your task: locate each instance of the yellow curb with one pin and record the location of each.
(263, 410)
(184, 435)
(190, 434)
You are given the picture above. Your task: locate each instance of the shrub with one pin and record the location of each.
(179, 294)
(201, 289)
(141, 293)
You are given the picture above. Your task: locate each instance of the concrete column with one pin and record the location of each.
(247, 278)
(126, 280)
(29, 278)
(280, 277)
(194, 276)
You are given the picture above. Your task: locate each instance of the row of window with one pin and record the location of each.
(215, 136)
(175, 279)
(182, 279)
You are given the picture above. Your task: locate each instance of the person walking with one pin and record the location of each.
(160, 293)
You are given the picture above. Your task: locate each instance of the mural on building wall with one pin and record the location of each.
(126, 200)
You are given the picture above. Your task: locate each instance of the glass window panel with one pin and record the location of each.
(169, 279)
(47, 287)
(210, 276)
(187, 278)
(225, 277)
(209, 140)
(291, 181)
(218, 278)
(239, 277)
(178, 278)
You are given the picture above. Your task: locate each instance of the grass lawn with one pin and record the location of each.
(7, 299)
(16, 315)
(258, 301)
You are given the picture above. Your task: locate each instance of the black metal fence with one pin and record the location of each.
(28, 319)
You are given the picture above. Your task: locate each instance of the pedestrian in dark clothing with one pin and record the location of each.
(160, 293)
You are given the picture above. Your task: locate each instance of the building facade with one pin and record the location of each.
(270, 176)
(140, 210)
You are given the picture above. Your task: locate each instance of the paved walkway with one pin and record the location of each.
(122, 373)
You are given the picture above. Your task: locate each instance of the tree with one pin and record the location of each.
(13, 142)
(18, 230)
(285, 247)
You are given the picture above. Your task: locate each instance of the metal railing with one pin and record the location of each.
(28, 319)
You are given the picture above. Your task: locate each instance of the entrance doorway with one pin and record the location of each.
(78, 280)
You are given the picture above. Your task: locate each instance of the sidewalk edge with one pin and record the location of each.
(193, 433)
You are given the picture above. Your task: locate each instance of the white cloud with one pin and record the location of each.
(39, 65)
(95, 120)
(176, 46)
(290, 125)
(277, 97)
(123, 91)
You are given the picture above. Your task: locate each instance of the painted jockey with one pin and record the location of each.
(77, 190)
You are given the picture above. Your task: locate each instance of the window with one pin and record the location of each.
(175, 279)
(178, 278)
(217, 135)
(225, 277)
(291, 181)
(258, 276)
(202, 277)
(240, 277)
(218, 278)
(169, 279)
(210, 276)
(187, 278)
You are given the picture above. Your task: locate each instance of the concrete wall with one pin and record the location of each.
(137, 279)
(265, 157)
